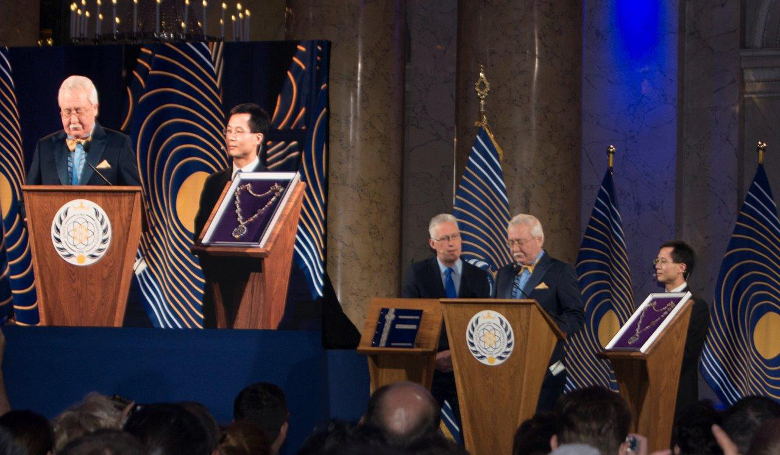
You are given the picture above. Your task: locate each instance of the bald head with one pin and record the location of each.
(404, 411)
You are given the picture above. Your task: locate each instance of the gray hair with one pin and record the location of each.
(74, 83)
(96, 412)
(534, 226)
(439, 219)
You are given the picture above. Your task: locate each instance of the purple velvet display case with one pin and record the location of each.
(648, 322)
(250, 209)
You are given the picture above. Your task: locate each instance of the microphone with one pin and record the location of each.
(99, 173)
(516, 268)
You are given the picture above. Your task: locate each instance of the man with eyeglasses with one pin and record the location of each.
(553, 283)
(244, 134)
(673, 265)
(83, 152)
(445, 275)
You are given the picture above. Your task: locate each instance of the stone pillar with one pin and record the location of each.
(366, 142)
(531, 50)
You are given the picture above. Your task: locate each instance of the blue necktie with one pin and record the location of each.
(519, 283)
(78, 164)
(449, 284)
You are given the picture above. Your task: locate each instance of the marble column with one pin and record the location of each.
(366, 142)
(531, 51)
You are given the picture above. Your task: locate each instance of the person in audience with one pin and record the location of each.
(673, 266)
(29, 430)
(82, 152)
(7, 444)
(445, 275)
(243, 437)
(693, 430)
(264, 404)
(94, 413)
(104, 442)
(593, 416)
(744, 416)
(766, 439)
(327, 438)
(533, 436)
(405, 413)
(168, 429)
(206, 420)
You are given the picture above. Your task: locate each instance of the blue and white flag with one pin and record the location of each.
(15, 254)
(482, 208)
(177, 127)
(604, 278)
(741, 355)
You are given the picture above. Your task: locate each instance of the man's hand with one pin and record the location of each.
(726, 444)
(444, 361)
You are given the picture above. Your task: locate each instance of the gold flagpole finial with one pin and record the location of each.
(482, 86)
(761, 149)
(611, 156)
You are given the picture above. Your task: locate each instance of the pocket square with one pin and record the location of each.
(103, 165)
(541, 286)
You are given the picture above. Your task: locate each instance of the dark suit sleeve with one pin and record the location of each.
(411, 289)
(34, 175)
(697, 331)
(208, 199)
(571, 316)
(128, 167)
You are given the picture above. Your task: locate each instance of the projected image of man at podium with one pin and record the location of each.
(553, 283)
(673, 265)
(445, 276)
(83, 152)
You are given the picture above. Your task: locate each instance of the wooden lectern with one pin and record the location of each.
(648, 381)
(495, 398)
(389, 365)
(82, 292)
(249, 284)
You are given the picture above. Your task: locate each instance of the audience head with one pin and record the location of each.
(206, 420)
(742, 419)
(243, 437)
(29, 430)
(94, 413)
(7, 444)
(593, 416)
(766, 439)
(327, 438)
(104, 442)
(265, 405)
(693, 430)
(168, 429)
(533, 436)
(405, 412)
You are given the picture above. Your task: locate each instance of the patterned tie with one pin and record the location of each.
(520, 280)
(449, 284)
(78, 163)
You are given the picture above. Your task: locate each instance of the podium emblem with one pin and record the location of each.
(490, 338)
(81, 232)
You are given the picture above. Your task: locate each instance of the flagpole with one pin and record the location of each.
(761, 148)
(611, 157)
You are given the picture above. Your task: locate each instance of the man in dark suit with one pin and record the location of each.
(244, 135)
(673, 266)
(553, 283)
(445, 276)
(247, 126)
(83, 152)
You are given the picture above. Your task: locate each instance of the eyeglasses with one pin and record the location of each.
(517, 242)
(236, 132)
(79, 111)
(447, 238)
(662, 261)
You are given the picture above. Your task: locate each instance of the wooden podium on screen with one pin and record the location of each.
(387, 365)
(500, 351)
(648, 376)
(248, 283)
(84, 240)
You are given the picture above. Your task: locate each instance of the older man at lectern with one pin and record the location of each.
(83, 152)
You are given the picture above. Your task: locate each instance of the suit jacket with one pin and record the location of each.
(698, 326)
(212, 190)
(554, 285)
(423, 281)
(50, 160)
